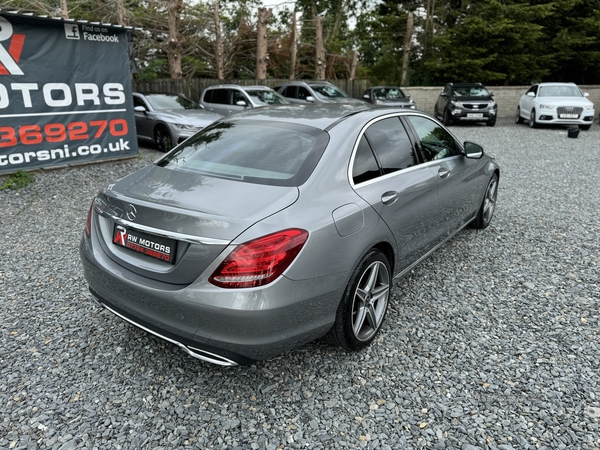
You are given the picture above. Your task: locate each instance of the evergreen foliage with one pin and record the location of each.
(496, 42)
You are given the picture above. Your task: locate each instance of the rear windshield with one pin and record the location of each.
(263, 152)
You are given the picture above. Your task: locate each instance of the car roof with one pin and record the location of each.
(158, 93)
(256, 86)
(385, 87)
(557, 83)
(237, 86)
(306, 83)
(465, 84)
(322, 117)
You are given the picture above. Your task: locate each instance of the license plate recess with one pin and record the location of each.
(157, 247)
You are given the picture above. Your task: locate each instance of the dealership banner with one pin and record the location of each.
(65, 93)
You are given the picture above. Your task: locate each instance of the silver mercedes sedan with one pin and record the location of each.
(280, 225)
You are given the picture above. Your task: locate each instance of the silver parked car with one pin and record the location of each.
(314, 92)
(231, 98)
(557, 104)
(277, 226)
(168, 119)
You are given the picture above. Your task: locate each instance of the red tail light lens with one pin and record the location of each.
(88, 222)
(260, 261)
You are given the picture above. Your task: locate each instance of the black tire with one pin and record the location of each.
(363, 307)
(532, 122)
(446, 118)
(518, 118)
(488, 205)
(491, 123)
(584, 127)
(162, 138)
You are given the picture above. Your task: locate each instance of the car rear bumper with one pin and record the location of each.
(251, 324)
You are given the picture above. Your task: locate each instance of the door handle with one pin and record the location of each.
(389, 197)
(443, 173)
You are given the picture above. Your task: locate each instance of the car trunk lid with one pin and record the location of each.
(198, 216)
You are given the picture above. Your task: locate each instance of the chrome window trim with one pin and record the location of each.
(168, 234)
(402, 171)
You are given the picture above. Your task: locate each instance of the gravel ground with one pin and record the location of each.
(493, 343)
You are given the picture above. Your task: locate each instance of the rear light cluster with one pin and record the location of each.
(260, 261)
(88, 222)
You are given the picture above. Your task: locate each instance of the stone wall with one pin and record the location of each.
(507, 97)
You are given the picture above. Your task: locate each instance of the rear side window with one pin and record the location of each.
(279, 154)
(208, 95)
(290, 92)
(365, 166)
(391, 144)
(219, 96)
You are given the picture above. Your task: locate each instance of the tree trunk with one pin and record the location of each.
(320, 50)
(120, 13)
(175, 7)
(218, 43)
(354, 65)
(64, 10)
(407, 45)
(294, 48)
(262, 57)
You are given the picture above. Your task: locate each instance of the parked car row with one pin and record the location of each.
(542, 104)
(169, 119)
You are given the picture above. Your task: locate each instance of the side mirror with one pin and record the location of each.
(473, 150)
(310, 99)
(443, 94)
(366, 97)
(492, 94)
(139, 109)
(585, 94)
(241, 103)
(531, 94)
(407, 95)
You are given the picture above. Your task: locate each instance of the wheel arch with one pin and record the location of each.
(387, 249)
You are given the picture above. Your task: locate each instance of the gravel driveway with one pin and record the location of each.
(492, 343)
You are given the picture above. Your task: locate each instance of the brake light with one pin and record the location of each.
(260, 261)
(88, 222)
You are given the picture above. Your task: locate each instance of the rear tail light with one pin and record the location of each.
(260, 261)
(88, 221)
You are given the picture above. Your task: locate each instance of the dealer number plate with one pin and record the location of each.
(154, 246)
(475, 115)
(569, 116)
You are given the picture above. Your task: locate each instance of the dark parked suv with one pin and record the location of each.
(466, 102)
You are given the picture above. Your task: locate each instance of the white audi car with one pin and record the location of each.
(555, 103)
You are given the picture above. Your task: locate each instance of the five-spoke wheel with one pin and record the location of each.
(364, 305)
(488, 206)
(162, 138)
